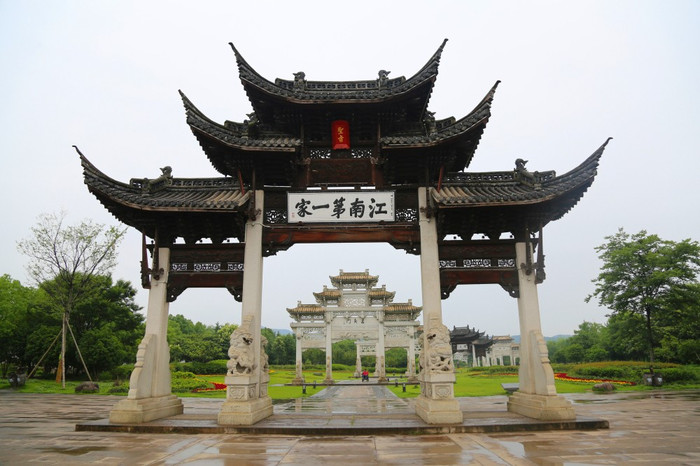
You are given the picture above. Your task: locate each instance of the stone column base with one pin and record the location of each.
(542, 407)
(137, 411)
(382, 379)
(439, 411)
(245, 413)
(329, 381)
(298, 381)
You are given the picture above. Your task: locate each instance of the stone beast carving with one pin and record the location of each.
(436, 357)
(241, 353)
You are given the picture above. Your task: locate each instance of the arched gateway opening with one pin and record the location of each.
(325, 162)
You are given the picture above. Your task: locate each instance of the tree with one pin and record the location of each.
(679, 326)
(16, 302)
(63, 261)
(641, 273)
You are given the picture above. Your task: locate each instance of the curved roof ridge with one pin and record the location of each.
(480, 113)
(510, 188)
(588, 165)
(190, 107)
(333, 90)
(205, 192)
(90, 169)
(454, 128)
(488, 98)
(244, 68)
(225, 134)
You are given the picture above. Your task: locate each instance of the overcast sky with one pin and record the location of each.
(105, 75)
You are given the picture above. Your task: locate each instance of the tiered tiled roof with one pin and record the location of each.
(191, 208)
(401, 308)
(470, 336)
(389, 120)
(302, 92)
(381, 294)
(363, 278)
(496, 202)
(306, 309)
(329, 299)
(328, 295)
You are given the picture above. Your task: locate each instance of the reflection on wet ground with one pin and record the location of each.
(654, 427)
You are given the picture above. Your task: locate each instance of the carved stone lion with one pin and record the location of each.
(438, 351)
(241, 353)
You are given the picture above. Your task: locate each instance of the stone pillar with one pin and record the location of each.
(475, 363)
(436, 404)
(411, 355)
(299, 376)
(149, 395)
(329, 354)
(380, 353)
(358, 360)
(247, 401)
(536, 398)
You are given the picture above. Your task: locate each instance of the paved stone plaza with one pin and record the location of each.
(659, 427)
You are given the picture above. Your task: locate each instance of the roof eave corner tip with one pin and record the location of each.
(78, 151)
(235, 51)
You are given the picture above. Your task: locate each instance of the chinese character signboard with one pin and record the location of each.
(340, 130)
(340, 206)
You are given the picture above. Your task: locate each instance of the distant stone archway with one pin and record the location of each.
(354, 309)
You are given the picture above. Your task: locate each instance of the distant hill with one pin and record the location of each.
(516, 338)
(281, 331)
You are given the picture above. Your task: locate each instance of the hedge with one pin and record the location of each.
(633, 371)
(217, 366)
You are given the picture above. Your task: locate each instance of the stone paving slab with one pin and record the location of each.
(655, 427)
(345, 409)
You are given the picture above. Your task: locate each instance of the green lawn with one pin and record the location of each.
(469, 383)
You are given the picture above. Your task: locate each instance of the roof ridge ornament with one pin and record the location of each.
(148, 185)
(383, 78)
(299, 81)
(526, 177)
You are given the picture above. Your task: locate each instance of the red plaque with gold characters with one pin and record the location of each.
(341, 134)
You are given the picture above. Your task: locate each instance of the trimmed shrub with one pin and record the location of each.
(122, 372)
(118, 389)
(217, 366)
(678, 374)
(183, 382)
(621, 370)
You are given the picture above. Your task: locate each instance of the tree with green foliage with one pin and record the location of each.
(588, 344)
(193, 342)
(641, 274)
(106, 324)
(64, 259)
(16, 302)
(679, 326)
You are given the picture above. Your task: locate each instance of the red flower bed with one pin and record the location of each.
(563, 376)
(217, 386)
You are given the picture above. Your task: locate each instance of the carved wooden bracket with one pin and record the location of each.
(147, 273)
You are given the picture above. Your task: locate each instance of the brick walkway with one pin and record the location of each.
(659, 427)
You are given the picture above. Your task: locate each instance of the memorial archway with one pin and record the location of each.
(352, 161)
(354, 308)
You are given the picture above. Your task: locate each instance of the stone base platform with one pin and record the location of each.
(290, 424)
(347, 409)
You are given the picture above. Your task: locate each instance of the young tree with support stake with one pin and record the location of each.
(63, 260)
(641, 272)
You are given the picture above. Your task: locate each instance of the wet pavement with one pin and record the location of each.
(659, 427)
